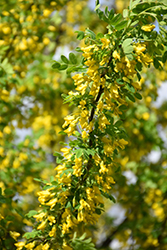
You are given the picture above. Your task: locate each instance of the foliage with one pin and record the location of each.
(109, 84)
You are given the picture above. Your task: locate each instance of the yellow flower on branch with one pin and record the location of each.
(116, 55)
(139, 48)
(19, 245)
(106, 43)
(148, 27)
(14, 234)
(42, 225)
(53, 231)
(30, 245)
(103, 168)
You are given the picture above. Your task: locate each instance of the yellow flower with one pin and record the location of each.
(46, 246)
(137, 85)
(68, 119)
(19, 245)
(116, 55)
(110, 180)
(145, 58)
(46, 40)
(78, 166)
(22, 156)
(7, 130)
(146, 116)
(39, 247)
(42, 225)
(52, 203)
(108, 149)
(40, 216)
(30, 245)
(16, 163)
(1, 151)
(103, 168)
(103, 121)
(65, 151)
(44, 196)
(51, 219)
(105, 42)
(14, 234)
(46, 12)
(84, 134)
(148, 27)
(84, 204)
(139, 48)
(65, 247)
(122, 143)
(53, 231)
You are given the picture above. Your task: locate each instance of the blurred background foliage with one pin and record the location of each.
(32, 34)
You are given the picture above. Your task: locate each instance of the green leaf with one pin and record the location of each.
(131, 88)
(126, 42)
(39, 180)
(164, 57)
(133, 3)
(125, 13)
(118, 123)
(128, 49)
(116, 19)
(134, 23)
(68, 204)
(98, 211)
(75, 69)
(10, 217)
(3, 199)
(71, 69)
(62, 133)
(123, 107)
(97, 7)
(131, 97)
(64, 59)
(56, 65)
(72, 58)
(138, 96)
(140, 7)
(126, 45)
(121, 25)
(90, 33)
(83, 236)
(31, 213)
(91, 151)
(52, 178)
(139, 66)
(58, 155)
(120, 81)
(129, 56)
(9, 192)
(63, 67)
(111, 14)
(80, 35)
(32, 234)
(106, 11)
(79, 152)
(108, 196)
(156, 63)
(138, 76)
(99, 35)
(78, 49)
(102, 16)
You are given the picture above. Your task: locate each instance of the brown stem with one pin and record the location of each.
(101, 90)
